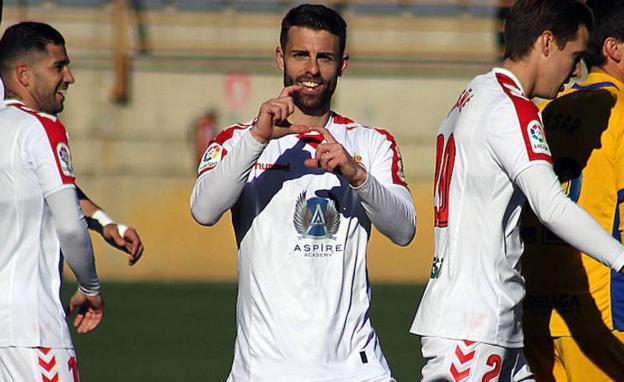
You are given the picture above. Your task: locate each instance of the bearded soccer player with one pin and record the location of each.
(119, 236)
(305, 186)
(491, 158)
(41, 215)
(574, 309)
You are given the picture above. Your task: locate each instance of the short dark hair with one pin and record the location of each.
(609, 18)
(528, 19)
(317, 17)
(24, 38)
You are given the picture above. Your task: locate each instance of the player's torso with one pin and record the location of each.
(303, 286)
(584, 130)
(30, 252)
(475, 287)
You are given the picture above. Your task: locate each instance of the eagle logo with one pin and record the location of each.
(316, 218)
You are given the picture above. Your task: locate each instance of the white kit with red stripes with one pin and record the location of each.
(35, 161)
(492, 134)
(304, 296)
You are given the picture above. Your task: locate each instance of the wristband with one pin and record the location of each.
(121, 229)
(102, 218)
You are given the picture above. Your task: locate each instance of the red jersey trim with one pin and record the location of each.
(59, 144)
(527, 112)
(220, 139)
(398, 173)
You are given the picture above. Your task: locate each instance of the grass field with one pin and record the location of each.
(184, 332)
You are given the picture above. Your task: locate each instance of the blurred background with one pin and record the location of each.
(156, 78)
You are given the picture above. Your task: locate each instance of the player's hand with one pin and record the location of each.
(130, 242)
(331, 156)
(89, 311)
(272, 121)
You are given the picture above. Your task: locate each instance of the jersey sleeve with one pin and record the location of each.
(515, 136)
(219, 147)
(48, 154)
(385, 197)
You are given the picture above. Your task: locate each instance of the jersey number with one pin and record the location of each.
(445, 160)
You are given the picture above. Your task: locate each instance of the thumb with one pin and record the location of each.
(117, 238)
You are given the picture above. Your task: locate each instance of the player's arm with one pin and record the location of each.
(118, 235)
(389, 207)
(565, 218)
(75, 243)
(217, 188)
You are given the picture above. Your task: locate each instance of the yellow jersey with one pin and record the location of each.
(568, 292)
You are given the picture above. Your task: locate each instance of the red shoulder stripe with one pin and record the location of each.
(528, 116)
(59, 144)
(398, 172)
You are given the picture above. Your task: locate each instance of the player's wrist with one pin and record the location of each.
(102, 218)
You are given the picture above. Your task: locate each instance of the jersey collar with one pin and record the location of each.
(600, 80)
(512, 76)
(20, 105)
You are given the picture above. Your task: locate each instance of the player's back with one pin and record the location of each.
(30, 251)
(476, 287)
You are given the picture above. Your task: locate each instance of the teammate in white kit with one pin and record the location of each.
(41, 215)
(303, 201)
(491, 157)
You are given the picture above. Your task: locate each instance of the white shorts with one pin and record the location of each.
(38, 365)
(468, 361)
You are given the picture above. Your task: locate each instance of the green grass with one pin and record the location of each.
(184, 332)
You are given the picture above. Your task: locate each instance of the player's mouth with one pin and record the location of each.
(311, 87)
(62, 93)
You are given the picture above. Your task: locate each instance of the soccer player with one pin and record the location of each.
(305, 186)
(574, 308)
(492, 156)
(41, 215)
(119, 236)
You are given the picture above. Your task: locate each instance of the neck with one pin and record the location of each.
(299, 118)
(611, 68)
(524, 72)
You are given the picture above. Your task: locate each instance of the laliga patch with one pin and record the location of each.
(537, 138)
(211, 157)
(64, 157)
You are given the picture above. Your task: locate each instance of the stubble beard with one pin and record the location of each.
(315, 106)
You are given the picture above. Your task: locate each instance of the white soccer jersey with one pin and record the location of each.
(490, 136)
(304, 296)
(35, 162)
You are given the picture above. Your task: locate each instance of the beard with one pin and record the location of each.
(315, 105)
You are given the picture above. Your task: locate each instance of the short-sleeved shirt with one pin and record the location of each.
(35, 162)
(491, 135)
(303, 308)
(567, 290)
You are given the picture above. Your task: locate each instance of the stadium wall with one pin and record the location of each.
(136, 159)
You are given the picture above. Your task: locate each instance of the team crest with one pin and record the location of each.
(316, 218)
(65, 160)
(537, 138)
(211, 157)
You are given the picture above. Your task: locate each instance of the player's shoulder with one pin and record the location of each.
(355, 128)
(232, 133)
(20, 113)
(509, 101)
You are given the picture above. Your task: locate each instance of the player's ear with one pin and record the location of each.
(545, 43)
(612, 48)
(344, 63)
(279, 58)
(23, 74)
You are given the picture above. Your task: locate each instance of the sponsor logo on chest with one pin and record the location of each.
(317, 221)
